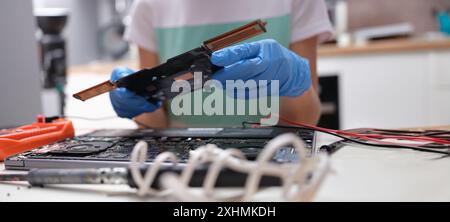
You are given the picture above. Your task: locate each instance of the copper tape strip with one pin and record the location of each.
(237, 35)
(96, 90)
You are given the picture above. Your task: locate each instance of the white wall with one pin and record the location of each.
(20, 99)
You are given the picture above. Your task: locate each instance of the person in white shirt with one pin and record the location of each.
(165, 28)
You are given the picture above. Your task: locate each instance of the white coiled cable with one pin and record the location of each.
(300, 180)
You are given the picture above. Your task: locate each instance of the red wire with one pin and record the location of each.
(369, 137)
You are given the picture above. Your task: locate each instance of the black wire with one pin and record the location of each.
(349, 139)
(427, 133)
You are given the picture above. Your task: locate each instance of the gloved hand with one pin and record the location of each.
(127, 104)
(264, 60)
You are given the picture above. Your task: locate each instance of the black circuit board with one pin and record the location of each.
(119, 148)
(155, 84)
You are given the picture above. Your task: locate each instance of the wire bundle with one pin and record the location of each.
(435, 141)
(300, 180)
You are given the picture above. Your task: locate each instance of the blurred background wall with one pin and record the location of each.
(20, 99)
(420, 13)
(88, 25)
(81, 29)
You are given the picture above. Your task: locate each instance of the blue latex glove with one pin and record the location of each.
(264, 60)
(127, 104)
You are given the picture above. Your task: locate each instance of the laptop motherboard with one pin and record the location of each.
(112, 148)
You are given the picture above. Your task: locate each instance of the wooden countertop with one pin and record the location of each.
(385, 46)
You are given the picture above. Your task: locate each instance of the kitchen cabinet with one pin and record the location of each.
(391, 87)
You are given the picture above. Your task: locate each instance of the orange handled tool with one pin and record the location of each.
(44, 131)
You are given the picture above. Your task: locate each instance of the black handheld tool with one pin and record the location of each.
(122, 175)
(155, 84)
